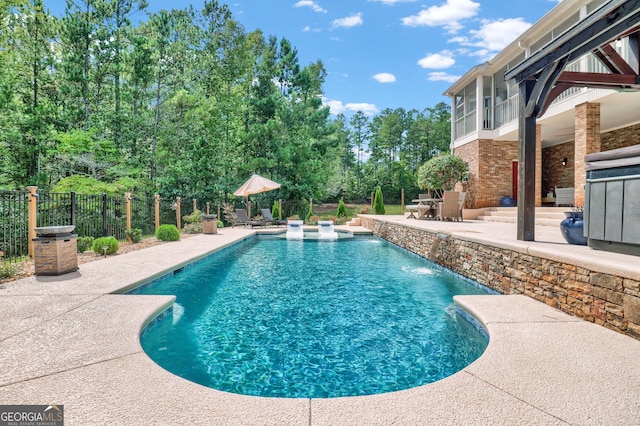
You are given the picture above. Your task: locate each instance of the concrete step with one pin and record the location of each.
(545, 216)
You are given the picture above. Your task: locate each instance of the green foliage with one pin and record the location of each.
(84, 244)
(134, 235)
(88, 185)
(220, 224)
(378, 203)
(167, 232)
(110, 243)
(6, 271)
(275, 210)
(196, 217)
(193, 228)
(342, 209)
(442, 172)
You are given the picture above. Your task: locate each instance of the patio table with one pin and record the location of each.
(426, 205)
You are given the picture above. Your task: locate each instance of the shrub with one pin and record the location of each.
(193, 228)
(378, 203)
(220, 224)
(275, 210)
(110, 243)
(196, 217)
(6, 271)
(168, 232)
(342, 209)
(84, 244)
(134, 234)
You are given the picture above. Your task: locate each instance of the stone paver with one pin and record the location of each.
(71, 340)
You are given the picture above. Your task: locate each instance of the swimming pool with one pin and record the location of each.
(309, 319)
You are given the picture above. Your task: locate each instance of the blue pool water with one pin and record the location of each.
(308, 319)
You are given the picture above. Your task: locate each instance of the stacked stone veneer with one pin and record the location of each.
(608, 300)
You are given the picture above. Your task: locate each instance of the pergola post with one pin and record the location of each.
(526, 166)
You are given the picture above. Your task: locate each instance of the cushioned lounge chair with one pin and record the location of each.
(268, 217)
(243, 219)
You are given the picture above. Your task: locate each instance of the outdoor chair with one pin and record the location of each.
(243, 219)
(449, 207)
(268, 217)
(461, 200)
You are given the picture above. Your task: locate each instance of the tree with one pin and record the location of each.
(378, 202)
(442, 172)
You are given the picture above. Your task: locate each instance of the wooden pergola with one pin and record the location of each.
(542, 77)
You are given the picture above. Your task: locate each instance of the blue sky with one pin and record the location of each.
(384, 53)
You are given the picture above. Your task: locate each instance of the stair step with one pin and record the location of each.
(544, 216)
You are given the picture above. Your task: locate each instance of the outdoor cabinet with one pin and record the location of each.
(612, 200)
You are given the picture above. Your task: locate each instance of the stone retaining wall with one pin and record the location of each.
(604, 299)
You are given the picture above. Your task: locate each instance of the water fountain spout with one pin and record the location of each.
(295, 230)
(326, 231)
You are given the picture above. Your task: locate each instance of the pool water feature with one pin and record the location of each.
(286, 318)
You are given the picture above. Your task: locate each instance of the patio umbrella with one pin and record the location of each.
(255, 185)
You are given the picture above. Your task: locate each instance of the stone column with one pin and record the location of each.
(587, 141)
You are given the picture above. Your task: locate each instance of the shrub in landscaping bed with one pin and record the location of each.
(110, 243)
(168, 232)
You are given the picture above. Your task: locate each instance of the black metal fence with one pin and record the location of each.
(14, 230)
(93, 216)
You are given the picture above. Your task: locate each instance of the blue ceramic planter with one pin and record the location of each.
(572, 228)
(507, 202)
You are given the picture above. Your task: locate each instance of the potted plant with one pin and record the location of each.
(572, 227)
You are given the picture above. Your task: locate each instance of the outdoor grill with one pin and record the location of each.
(55, 250)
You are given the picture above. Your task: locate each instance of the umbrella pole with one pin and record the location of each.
(249, 207)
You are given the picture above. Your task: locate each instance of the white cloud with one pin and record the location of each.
(309, 3)
(349, 21)
(448, 15)
(496, 35)
(442, 76)
(444, 59)
(337, 107)
(385, 77)
(392, 2)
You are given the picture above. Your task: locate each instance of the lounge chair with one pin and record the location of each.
(243, 219)
(268, 217)
(449, 207)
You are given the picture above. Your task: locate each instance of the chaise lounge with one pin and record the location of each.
(243, 219)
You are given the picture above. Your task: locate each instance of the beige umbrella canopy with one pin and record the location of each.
(255, 185)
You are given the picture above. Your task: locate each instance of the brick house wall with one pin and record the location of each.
(554, 174)
(490, 168)
(620, 138)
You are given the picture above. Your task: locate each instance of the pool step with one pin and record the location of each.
(545, 216)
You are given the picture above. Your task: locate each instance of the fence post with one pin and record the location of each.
(178, 212)
(74, 209)
(372, 195)
(195, 205)
(218, 211)
(402, 200)
(208, 205)
(33, 217)
(127, 197)
(311, 206)
(280, 208)
(157, 212)
(104, 215)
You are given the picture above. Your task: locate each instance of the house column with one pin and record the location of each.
(587, 141)
(538, 165)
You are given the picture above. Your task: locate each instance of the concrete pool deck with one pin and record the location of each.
(70, 340)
